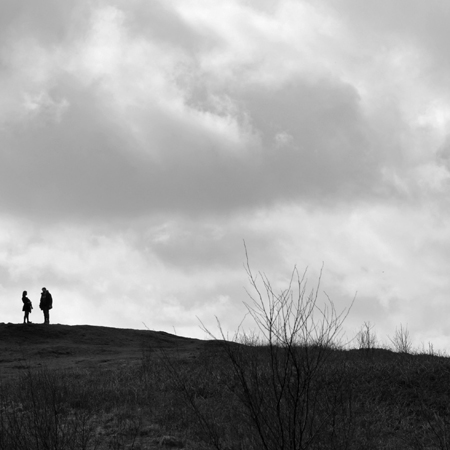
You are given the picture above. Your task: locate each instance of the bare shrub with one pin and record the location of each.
(367, 338)
(288, 385)
(430, 350)
(37, 414)
(402, 341)
(74, 410)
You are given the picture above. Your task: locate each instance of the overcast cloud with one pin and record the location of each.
(141, 142)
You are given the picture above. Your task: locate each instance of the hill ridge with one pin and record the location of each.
(62, 346)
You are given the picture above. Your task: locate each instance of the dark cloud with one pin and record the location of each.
(157, 21)
(49, 21)
(316, 140)
(313, 142)
(76, 153)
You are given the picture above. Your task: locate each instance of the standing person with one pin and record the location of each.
(27, 307)
(46, 304)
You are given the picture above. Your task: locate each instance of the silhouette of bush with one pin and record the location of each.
(402, 340)
(68, 410)
(36, 414)
(286, 387)
(293, 386)
(367, 338)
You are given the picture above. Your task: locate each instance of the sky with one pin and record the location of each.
(142, 143)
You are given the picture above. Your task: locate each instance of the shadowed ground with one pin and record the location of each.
(81, 346)
(145, 390)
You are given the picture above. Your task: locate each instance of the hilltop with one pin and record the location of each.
(81, 346)
(88, 387)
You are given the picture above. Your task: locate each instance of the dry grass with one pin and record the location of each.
(293, 389)
(381, 400)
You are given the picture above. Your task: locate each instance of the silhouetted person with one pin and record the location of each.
(46, 304)
(27, 307)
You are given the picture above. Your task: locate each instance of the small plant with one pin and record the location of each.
(402, 340)
(37, 414)
(367, 338)
(430, 351)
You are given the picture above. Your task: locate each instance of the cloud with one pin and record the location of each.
(104, 107)
(142, 142)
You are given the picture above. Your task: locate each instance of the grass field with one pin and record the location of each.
(223, 395)
(291, 385)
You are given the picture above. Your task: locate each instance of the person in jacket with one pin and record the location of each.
(46, 304)
(27, 307)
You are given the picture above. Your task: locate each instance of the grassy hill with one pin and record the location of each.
(24, 347)
(86, 387)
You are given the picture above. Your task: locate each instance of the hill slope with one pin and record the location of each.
(126, 394)
(83, 346)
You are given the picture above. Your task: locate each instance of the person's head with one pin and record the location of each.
(24, 293)
(44, 290)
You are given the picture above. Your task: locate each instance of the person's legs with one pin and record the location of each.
(46, 316)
